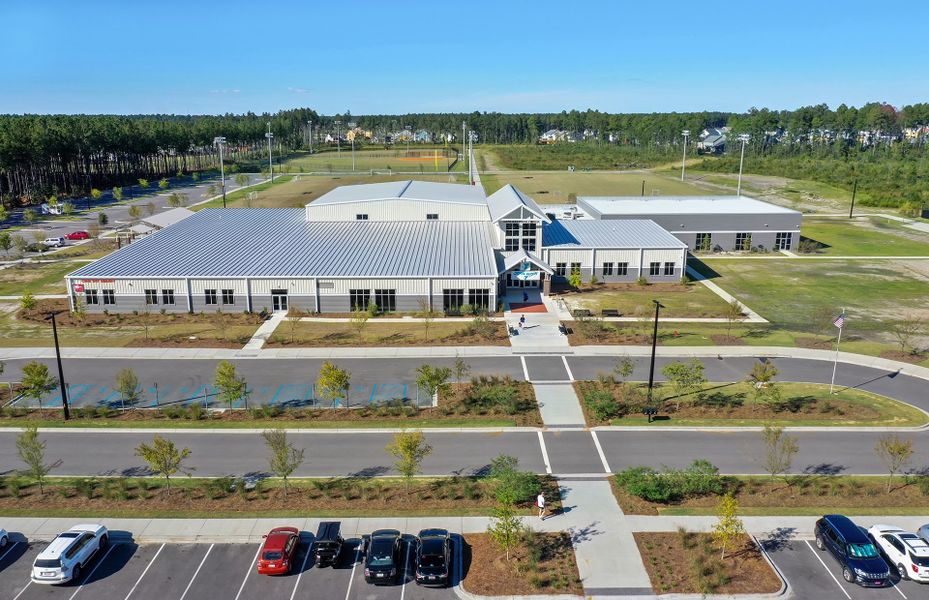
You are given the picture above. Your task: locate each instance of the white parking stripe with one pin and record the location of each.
(896, 588)
(406, 568)
(147, 567)
(548, 465)
(92, 571)
(8, 550)
(16, 597)
(564, 359)
(522, 359)
(351, 577)
(200, 566)
(302, 569)
(249, 572)
(606, 465)
(827, 569)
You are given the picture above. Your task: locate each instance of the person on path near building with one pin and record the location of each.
(525, 297)
(540, 502)
(522, 320)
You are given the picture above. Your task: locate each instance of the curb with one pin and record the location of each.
(466, 595)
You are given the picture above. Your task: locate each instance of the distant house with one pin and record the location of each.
(550, 137)
(712, 140)
(422, 136)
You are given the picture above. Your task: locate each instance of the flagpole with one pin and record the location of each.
(835, 363)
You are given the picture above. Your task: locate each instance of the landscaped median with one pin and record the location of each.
(436, 332)
(542, 563)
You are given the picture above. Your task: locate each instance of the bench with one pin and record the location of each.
(610, 312)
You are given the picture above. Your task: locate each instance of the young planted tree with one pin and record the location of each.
(461, 369)
(102, 219)
(95, 194)
(283, 457)
(733, 313)
(574, 278)
(6, 240)
(906, 330)
(506, 529)
(764, 391)
(780, 450)
(30, 215)
(623, 368)
(684, 378)
(163, 183)
(241, 179)
(293, 322)
(127, 384)
(36, 381)
(117, 195)
(730, 526)
(134, 213)
(221, 321)
(512, 486)
(31, 451)
(895, 452)
(176, 199)
(150, 208)
(4, 213)
(332, 383)
(163, 457)
(426, 315)
(431, 379)
(143, 183)
(230, 387)
(360, 320)
(409, 448)
(27, 301)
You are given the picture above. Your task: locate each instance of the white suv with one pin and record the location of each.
(63, 559)
(54, 242)
(906, 552)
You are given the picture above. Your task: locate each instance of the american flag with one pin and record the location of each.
(839, 321)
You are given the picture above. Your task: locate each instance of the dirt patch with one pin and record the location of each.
(907, 357)
(690, 563)
(544, 563)
(808, 342)
(727, 340)
(185, 341)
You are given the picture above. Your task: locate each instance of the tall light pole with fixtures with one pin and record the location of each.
(270, 137)
(310, 124)
(338, 138)
(351, 127)
(651, 369)
(409, 134)
(220, 141)
(686, 134)
(742, 138)
(61, 375)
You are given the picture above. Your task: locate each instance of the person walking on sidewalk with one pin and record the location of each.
(522, 320)
(525, 297)
(540, 502)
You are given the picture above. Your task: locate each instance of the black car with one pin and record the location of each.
(382, 557)
(327, 546)
(851, 546)
(433, 557)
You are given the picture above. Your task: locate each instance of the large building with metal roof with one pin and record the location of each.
(403, 246)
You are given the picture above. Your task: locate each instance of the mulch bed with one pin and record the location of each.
(155, 317)
(907, 357)
(185, 342)
(689, 563)
(814, 343)
(545, 564)
(725, 340)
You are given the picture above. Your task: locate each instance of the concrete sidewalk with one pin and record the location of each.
(752, 316)
(264, 331)
(559, 405)
(764, 527)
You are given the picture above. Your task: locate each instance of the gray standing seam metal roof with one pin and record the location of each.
(615, 233)
(410, 189)
(507, 199)
(643, 206)
(279, 242)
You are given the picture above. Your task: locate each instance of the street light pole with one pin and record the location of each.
(310, 123)
(742, 138)
(61, 374)
(651, 369)
(270, 136)
(686, 134)
(219, 141)
(338, 138)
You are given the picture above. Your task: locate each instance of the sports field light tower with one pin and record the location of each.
(338, 138)
(409, 134)
(686, 134)
(310, 125)
(744, 139)
(270, 137)
(219, 142)
(351, 127)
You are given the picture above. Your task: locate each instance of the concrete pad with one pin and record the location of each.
(559, 405)
(226, 530)
(174, 530)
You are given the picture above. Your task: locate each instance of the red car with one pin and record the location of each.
(77, 235)
(277, 555)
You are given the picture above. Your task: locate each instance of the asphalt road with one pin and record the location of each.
(192, 571)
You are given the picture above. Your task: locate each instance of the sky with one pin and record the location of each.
(396, 56)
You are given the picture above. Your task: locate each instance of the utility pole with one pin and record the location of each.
(270, 136)
(310, 123)
(338, 138)
(219, 141)
(686, 134)
(463, 127)
(651, 369)
(61, 375)
(851, 209)
(742, 138)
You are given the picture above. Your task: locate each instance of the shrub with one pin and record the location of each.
(701, 478)
(86, 488)
(195, 412)
(642, 280)
(499, 393)
(602, 405)
(923, 484)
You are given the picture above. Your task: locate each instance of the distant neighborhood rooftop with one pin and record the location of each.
(681, 205)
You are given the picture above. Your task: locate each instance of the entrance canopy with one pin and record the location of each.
(525, 266)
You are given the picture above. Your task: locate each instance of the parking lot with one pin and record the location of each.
(816, 574)
(127, 571)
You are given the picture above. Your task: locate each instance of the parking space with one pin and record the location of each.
(816, 574)
(127, 571)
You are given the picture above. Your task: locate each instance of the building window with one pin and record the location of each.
(167, 297)
(386, 300)
(561, 269)
(452, 300)
(511, 244)
(209, 296)
(622, 269)
(479, 299)
(607, 268)
(782, 240)
(654, 268)
(151, 296)
(704, 242)
(90, 297)
(529, 233)
(669, 268)
(529, 244)
(743, 241)
(432, 216)
(512, 239)
(576, 268)
(361, 217)
(228, 296)
(109, 296)
(359, 299)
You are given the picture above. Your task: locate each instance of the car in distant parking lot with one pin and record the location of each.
(382, 557)
(906, 552)
(64, 558)
(853, 549)
(277, 553)
(77, 235)
(433, 557)
(327, 546)
(4, 538)
(54, 242)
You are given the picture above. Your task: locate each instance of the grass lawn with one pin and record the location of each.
(541, 563)
(562, 187)
(377, 158)
(865, 236)
(631, 299)
(690, 563)
(801, 495)
(733, 404)
(214, 498)
(36, 278)
(90, 250)
(440, 333)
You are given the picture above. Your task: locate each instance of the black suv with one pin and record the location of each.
(433, 557)
(851, 546)
(382, 557)
(328, 543)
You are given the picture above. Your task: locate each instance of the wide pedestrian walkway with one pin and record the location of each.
(559, 405)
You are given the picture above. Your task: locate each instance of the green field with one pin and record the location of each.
(863, 236)
(36, 278)
(563, 187)
(691, 300)
(420, 159)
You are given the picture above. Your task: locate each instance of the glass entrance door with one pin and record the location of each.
(279, 300)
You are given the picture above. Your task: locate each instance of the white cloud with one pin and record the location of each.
(298, 90)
